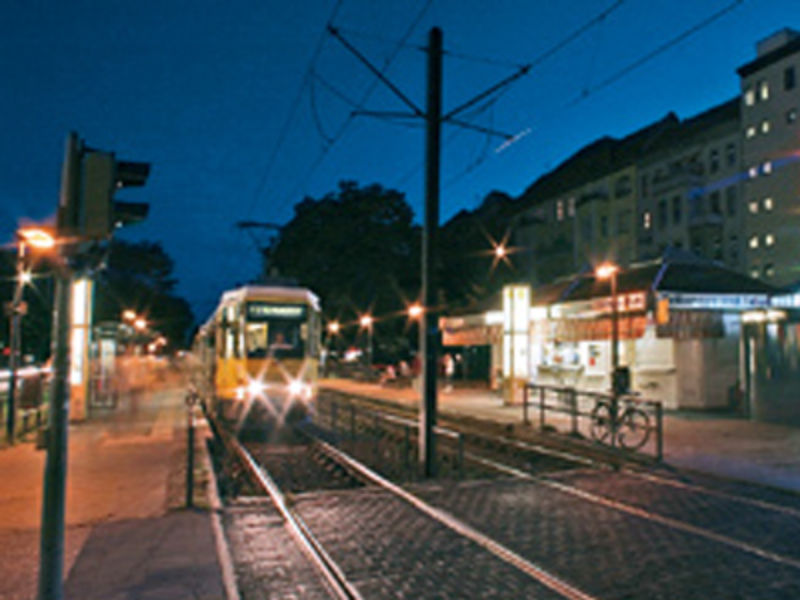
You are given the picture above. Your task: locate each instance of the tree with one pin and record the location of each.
(360, 251)
(469, 271)
(138, 276)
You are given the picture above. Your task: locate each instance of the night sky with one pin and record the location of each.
(243, 107)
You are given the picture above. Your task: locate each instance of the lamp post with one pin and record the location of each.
(609, 271)
(366, 322)
(36, 239)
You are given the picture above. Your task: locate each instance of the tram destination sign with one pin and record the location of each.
(260, 311)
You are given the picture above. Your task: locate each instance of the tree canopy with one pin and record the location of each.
(358, 249)
(138, 276)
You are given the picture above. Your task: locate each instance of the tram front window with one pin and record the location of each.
(269, 335)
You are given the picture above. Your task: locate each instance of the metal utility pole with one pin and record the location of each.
(429, 324)
(51, 549)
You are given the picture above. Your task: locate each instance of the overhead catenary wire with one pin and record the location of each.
(359, 105)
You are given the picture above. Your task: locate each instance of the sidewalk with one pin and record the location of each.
(127, 535)
(726, 446)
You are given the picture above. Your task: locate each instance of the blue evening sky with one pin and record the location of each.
(234, 102)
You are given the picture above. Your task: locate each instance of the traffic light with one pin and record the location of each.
(89, 180)
(103, 175)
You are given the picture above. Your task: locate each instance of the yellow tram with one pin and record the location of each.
(261, 345)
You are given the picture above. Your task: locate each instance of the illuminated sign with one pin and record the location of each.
(716, 301)
(516, 325)
(264, 310)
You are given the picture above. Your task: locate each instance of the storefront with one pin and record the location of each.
(679, 327)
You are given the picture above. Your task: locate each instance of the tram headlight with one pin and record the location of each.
(255, 388)
(299, 389)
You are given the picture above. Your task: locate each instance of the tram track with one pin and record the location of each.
(584, 485)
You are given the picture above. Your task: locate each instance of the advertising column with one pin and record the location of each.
(516, 341)
(80, 333)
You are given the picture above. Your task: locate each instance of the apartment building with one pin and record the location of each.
(770, 134)
(723, 184)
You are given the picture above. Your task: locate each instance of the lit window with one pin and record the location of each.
(752, 172)
(769, 204)
(769, 240)
(751, 132)
(766, 168)
(765, 126)
(791, 115)
(560, 210)
(753, 205)
(647, 220)
(754, 273)
(754, 242)
(769, 270)
(749, 96)
(571, 207)
(763, 90)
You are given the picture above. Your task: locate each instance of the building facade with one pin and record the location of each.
(723, 184)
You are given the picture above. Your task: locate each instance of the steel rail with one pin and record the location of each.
(549, 580)
(649, 516)
(333, 576)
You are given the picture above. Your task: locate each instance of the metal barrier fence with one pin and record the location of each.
(345, 418)
(626, 423)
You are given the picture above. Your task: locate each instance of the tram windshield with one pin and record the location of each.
(275, 330)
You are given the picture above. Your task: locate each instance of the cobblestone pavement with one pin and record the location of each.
(386, 549)
(268, 563)
(614, 555)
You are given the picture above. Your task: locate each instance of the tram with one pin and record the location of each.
(260, 350)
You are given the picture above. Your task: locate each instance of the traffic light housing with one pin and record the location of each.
(90, 178)
(103, 175)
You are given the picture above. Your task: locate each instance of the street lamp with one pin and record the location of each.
(366, 323)
(609, 271)
(37, 239)
(415, 311)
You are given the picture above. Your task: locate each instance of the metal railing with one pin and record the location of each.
(625, 423)
(30, 407)
(364, 424)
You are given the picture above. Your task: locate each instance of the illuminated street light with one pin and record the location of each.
(415, 311)
(140, 324)
(609, 271)
(366, 322)
(334, 327)
(128, 315)
(500, 251)
(37, 238)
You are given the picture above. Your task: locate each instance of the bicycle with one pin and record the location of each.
(629, 428)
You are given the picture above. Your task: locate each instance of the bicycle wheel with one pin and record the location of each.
(601, 421)
(634, 429)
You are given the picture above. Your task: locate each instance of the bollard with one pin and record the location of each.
(572, 394)
(659, 431)
(541, 409)
(407, 449)
(525, 392)
(461, 456)
(191, 400)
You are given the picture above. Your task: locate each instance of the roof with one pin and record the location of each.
(677, 273)
(608, 155)
(279, 293)
(769, 58)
